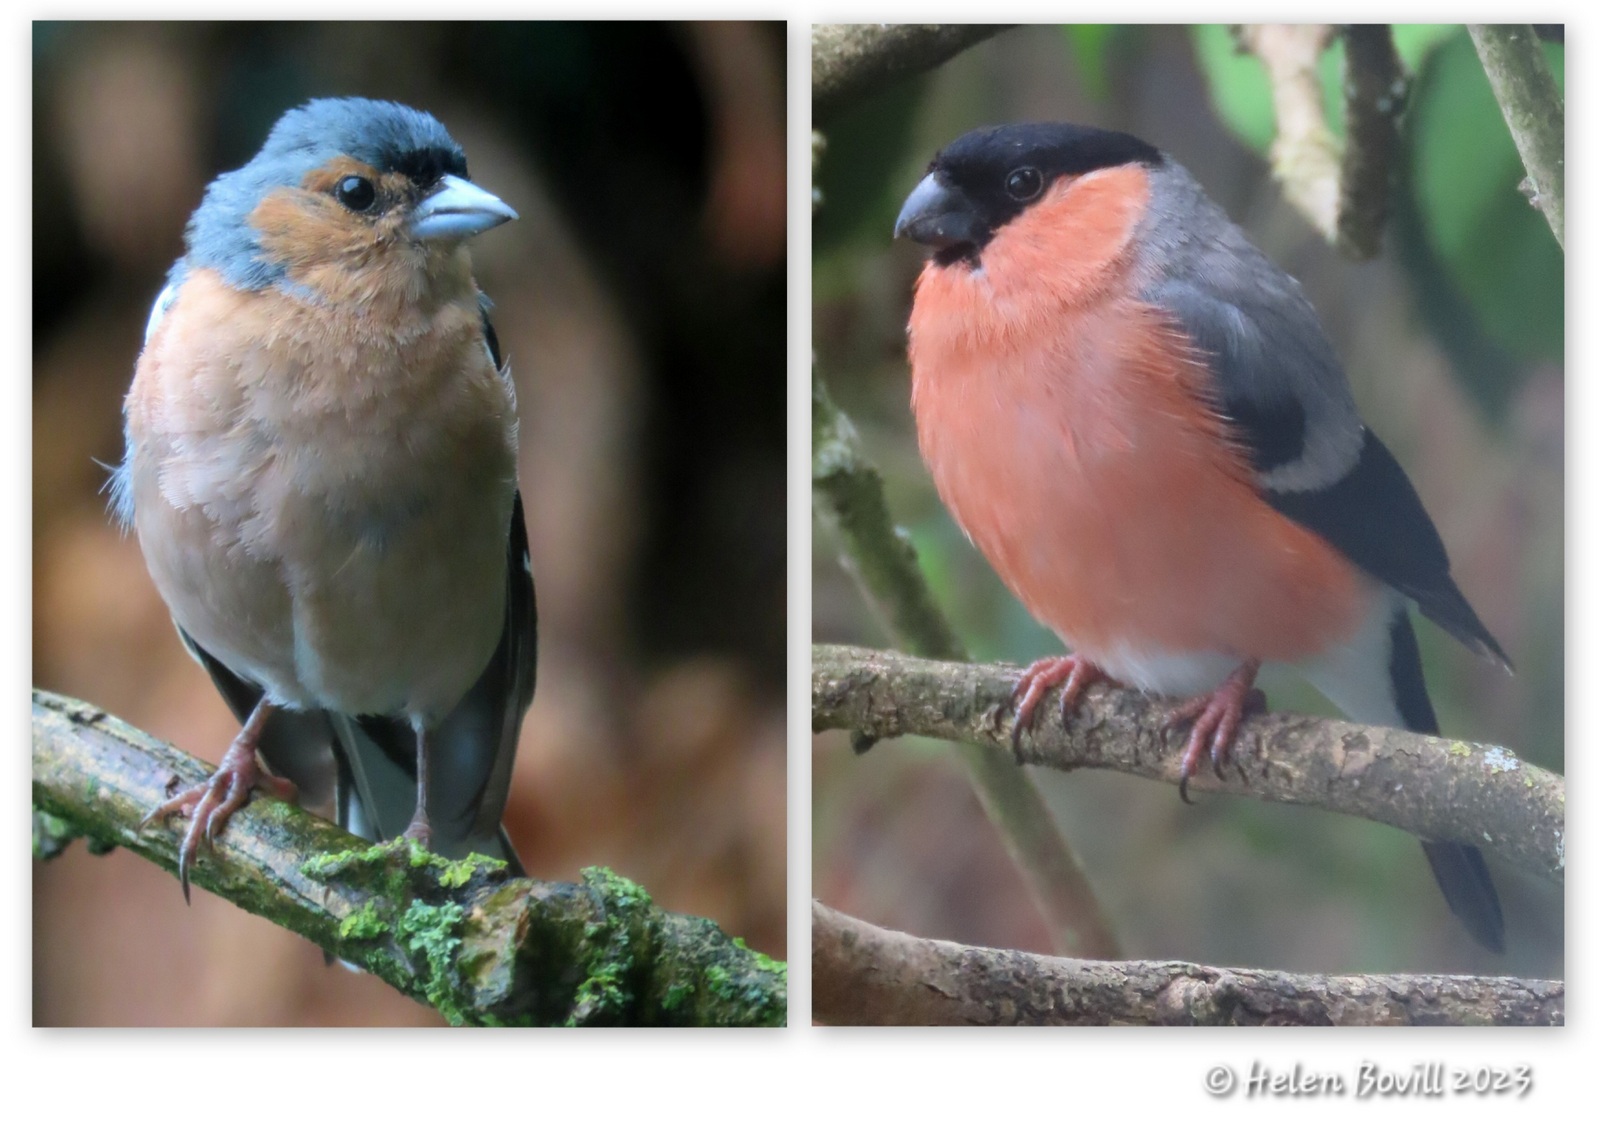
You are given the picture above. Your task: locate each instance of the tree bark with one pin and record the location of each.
(850, 62)
(1534, 110)
(866, 975)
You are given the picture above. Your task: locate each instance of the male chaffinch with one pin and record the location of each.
(321, 470)
(1137, 418)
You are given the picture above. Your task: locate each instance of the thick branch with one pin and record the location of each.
(852, 61)
(1441, 789)
(866, 975)
(1534, 111)
(480, 947)
(848, 493)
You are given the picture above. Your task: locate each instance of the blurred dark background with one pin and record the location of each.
(1453, 339)
(641, 300)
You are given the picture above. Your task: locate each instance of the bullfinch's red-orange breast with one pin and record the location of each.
(1068, 427)
(1138, 420)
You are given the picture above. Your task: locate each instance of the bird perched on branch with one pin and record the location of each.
(1139, 421)
(321, 470)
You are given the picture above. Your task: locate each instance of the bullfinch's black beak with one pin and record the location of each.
(939, 216)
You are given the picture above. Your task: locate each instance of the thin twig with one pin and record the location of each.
(1445, 790)
(1534, 110)
(848, 493)
(866, 975)
(461, 936)
(850, 62)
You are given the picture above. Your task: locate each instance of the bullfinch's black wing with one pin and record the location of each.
(1278, 381)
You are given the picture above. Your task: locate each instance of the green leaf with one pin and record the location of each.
(1090, 44)
(1465, 171)
(1238, 83)
(1413, 41)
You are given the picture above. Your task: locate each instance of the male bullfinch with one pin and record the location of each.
(321, 469)
(1138, 420)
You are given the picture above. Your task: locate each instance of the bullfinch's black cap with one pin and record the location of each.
(982, 180)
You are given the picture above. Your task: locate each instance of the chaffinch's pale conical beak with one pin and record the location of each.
(458, 209)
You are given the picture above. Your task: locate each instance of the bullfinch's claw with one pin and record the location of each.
(1215, 718)
(1073, 673)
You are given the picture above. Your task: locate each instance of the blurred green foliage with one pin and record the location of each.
(857, 166)
(1092, 46)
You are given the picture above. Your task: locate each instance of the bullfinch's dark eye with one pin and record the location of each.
(1022, 184)
(356, 193)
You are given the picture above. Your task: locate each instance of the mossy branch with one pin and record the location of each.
(479, 946)
(1534, 110)
(853, 61)
(1445, 790)
(847, 492)
(866, 975)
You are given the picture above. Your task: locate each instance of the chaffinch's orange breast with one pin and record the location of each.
(339, 484)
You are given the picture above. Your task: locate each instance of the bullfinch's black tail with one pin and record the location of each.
(1463, 877)
(1460, 870)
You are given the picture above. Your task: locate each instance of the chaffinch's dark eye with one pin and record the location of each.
(356, 193)
(1022, 184)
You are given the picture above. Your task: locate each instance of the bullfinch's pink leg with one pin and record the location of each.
(1073, 673)
(210, 804)
(1216, 717)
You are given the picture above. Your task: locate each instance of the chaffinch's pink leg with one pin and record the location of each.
(419, 831)
(210, 804)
